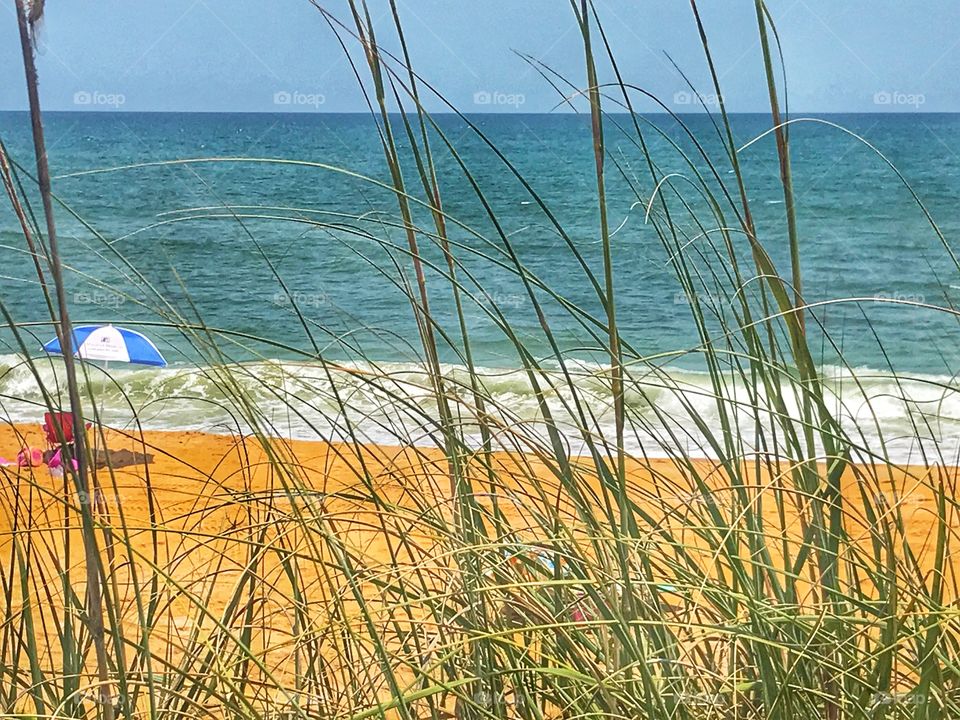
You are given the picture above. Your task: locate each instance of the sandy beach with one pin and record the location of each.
(211, 479)
(207, 538)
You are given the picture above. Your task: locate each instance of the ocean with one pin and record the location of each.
(213, 238)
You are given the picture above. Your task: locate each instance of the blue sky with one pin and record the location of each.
(246, 55)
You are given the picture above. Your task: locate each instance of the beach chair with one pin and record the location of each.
(61, 454)
(58, 428)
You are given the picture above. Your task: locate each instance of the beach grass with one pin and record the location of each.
(757, 558)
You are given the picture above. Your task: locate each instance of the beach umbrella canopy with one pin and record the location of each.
(110, 343)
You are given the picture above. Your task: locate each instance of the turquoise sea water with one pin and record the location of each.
(862, 233)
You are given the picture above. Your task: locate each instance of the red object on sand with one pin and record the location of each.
(54, 422)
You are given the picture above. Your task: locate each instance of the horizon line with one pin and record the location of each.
(307, 113)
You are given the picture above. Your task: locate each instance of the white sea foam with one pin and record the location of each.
(894, 416)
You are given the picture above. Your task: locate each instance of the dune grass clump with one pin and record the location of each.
(636, 549)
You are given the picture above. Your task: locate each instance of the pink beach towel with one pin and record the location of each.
(56, 462)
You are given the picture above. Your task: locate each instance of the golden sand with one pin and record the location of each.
(211, 533)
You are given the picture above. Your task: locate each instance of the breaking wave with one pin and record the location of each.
(669, 410)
